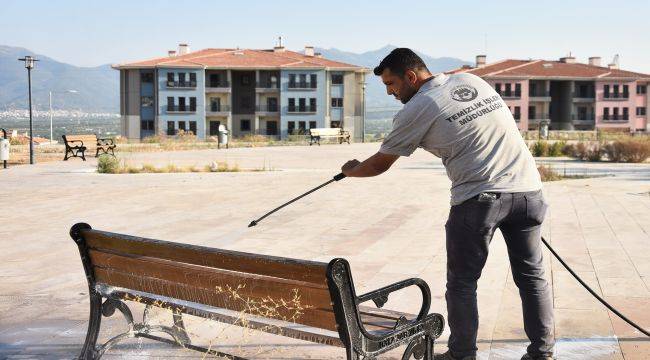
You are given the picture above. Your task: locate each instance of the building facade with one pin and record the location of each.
(273, 92)
(569, 95)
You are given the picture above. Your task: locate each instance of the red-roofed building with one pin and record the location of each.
(568, 95)
(273, 92)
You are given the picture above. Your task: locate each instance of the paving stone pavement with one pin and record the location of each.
(390, 227)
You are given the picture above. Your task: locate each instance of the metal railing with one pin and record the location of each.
(539, 117)
(302, 85)
(589, 117)
(267, 85)
(218, 84)
(181, 84)
(301, 109)
(267, 108)
(617, 96)
(584, 95)
(217, 108)
(181, 108)
(539, 93)
(513, 95)
(618, 117)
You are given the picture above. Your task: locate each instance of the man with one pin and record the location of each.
(495, 185)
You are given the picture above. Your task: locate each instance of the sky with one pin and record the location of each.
(91, 33)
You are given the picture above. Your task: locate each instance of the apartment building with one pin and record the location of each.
(273, 92)
(569, 95)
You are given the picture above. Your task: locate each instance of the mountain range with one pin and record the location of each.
(97, 88)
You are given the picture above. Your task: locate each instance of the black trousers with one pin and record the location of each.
(470, 228)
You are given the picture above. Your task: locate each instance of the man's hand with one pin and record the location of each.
(372, 166)
(348, 166)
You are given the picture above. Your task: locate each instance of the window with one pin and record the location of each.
(606, 113)
(303, 81)
(312, 124)
(215, 79)
(301, 105)
(532, 89)
(292, 80)
(245, 125)
(337, 79)
(626, 91)
(181, 125)
(181, 79)
(193, 127)
(302, 127)
(272, 104)
(497, 87)
(616, 91)
(517, 114)
(531, 112)
(312, 81)
(146, 77)
(146, 101)
(292, 104)
(641, 89)
(181, 104)
(626, 113)
(640, 111)
(192, 79)
(312, 104)
(518, 90)
(170, 128)
(192, 104)
(215, 104)
(606, 90)
(508, 90)
(337, 102)
(170, 103)
(170, 79)
(146, 125)
(291, 127)
(615, 115)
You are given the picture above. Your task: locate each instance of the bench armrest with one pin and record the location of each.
(105, 141)
(69, 142)
(380, 296)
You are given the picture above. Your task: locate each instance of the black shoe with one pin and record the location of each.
(448, 356)
(537, 357)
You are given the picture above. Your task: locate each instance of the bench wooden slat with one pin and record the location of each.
(89, 141)
(311, 316)
(248, 285)
(302, 270)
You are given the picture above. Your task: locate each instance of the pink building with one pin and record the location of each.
(567, 94)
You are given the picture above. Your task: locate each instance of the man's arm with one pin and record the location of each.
(372, 166)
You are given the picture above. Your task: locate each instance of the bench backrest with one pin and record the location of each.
(268, 286)
(325, 131)
(89, 141)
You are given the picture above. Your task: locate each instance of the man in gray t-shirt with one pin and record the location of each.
(495, 185)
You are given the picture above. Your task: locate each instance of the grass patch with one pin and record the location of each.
(111, 165)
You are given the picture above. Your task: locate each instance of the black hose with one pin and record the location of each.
(335, 178)
(602, 301)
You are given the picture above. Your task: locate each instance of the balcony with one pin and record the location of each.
(181, 109)
(302, 85)
(217, 87)
(616, 118)
(616, 96)
(181, 84)
(584, 119)
(301, 109)
(584, 96)
(267, 86)
(217, 109)
(510, 95)
(267, 109)
(540, 96)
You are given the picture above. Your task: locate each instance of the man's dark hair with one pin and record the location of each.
(399, 61)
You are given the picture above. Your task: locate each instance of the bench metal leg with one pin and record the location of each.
(88, 352)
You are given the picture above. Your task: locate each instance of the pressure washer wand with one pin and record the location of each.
(338, 177)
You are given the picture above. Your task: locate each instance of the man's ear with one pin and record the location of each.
(412, 77)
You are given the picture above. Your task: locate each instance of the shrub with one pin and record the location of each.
(107, 164)
(569, 150)
(548, 174)
(556, 148)
(540, 149)
(628, 150)
(595, 153)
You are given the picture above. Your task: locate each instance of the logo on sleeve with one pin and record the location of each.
(464, 93)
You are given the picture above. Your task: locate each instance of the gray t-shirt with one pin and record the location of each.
(462, 120)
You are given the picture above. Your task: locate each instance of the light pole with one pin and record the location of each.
(29, 65)
(51, 128)
(363, 119)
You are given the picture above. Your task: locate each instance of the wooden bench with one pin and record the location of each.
(78, 144)
(316, 134)
(314, 301)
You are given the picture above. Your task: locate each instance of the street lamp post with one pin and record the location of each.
(29, 65)
(51, 128)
